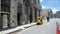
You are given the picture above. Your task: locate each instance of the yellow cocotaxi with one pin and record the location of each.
(39, 20)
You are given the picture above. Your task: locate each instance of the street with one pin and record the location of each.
(45, 28)
(23, 16)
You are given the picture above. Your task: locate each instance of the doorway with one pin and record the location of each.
(35, 14)
(18, 18)
(30, 18)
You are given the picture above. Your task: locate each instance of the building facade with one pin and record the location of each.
(57, 15)
(18, 12)
(4, 13)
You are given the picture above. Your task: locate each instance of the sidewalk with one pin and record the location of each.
(17, 28)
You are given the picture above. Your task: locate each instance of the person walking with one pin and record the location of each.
(48, 19)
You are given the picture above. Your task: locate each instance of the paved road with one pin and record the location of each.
(45, 28)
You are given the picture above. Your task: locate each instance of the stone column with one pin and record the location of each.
(33, 15)
(0, 15)
(13, 13)
(23, 14)
(28, 15)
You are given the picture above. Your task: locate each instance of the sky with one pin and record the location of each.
(53, 4)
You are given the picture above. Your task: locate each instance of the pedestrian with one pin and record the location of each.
(48, 19)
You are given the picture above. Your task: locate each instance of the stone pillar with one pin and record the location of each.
(33, 15)
(0, 16)
(28, 15)
(26, 19)
(23, 14)
(13, 13)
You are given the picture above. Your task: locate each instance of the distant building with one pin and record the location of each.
(47, 13)
(57, 15)
(54, 15)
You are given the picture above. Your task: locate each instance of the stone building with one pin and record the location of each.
(18, 12)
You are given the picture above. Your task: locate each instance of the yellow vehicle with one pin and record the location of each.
(39, 21)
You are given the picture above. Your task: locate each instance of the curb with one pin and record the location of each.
(17, 28)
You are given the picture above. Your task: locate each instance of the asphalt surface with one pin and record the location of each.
(45, 28)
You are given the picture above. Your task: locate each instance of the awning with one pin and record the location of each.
(37, 6)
